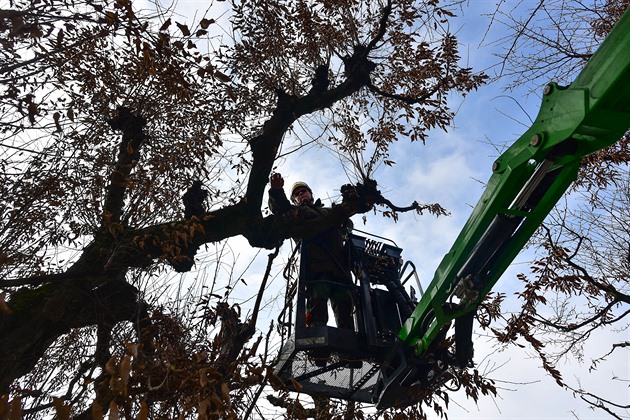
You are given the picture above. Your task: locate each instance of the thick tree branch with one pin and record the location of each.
(403, 98)
(39, 316)
(382, 26)
(289, 108)
(128, 156)
(177, 242)
(37, 280)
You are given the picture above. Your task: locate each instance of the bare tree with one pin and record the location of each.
(550, 39)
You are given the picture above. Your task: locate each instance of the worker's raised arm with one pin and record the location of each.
(278, 201)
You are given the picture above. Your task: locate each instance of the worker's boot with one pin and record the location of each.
(319, 357)
(352, 361)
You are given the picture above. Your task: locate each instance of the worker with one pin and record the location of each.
(326, 279)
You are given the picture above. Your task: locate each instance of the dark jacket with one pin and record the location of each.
(323, 253)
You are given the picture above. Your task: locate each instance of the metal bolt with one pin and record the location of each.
(547, 90)
(535, 141)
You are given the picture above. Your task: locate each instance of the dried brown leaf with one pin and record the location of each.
(113, 411)
(97, 411)
(62, 410)
(110, 366)
(124, 371)
(222, 76)
(184, 28)
(4, 307)
(143, 414)
(165, 25)
(205, 23)
(225, 393)
(16, 409)
(298, 386)
(132, 349)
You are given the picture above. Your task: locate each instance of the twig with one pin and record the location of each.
(263, 285)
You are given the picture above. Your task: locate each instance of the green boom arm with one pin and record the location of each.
(527, 181)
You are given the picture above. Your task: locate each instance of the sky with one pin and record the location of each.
(451, 169)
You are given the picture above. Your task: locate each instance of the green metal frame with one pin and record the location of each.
(529, 178)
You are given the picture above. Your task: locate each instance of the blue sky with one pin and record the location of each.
(451, 169)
